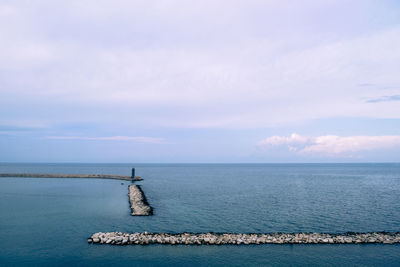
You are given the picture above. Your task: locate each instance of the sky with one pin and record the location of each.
(200, 81)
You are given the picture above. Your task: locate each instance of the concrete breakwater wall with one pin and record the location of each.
(138, 201)
(118, 238)
(49, 175)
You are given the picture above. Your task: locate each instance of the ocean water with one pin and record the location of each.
(47, 221)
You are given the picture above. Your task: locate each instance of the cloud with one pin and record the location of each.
(332, 145)
(21, 128)
(385, 99)
(138, 139)
(6, 10)
(210, 64)
(366, 84)
(282, 140)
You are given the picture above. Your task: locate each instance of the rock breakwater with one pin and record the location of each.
(49, 175)
(118, 238)
(139, 204)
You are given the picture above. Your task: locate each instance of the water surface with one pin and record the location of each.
(47, 221)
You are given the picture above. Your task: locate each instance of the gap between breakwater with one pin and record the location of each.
(137, 199)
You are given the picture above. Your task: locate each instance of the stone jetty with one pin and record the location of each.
(49, 175)
(118, 238)
(137, 199)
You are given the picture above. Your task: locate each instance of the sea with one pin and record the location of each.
(46, 221)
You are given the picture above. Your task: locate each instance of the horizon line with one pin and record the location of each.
(183, 163)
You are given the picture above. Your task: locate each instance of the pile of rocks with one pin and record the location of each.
(137, 199)
(118, 238)
(71, 175)
(137, 178)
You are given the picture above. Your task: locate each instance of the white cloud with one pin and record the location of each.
(7, 10)
(332, 145)
(138, 139)
(282, 140)
(208, 64)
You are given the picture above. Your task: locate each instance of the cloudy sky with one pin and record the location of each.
(200, 81)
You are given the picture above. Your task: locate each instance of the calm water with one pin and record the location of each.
(48, 221)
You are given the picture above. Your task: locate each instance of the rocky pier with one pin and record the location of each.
(49, 175)
(139, 204)
(118, 238)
